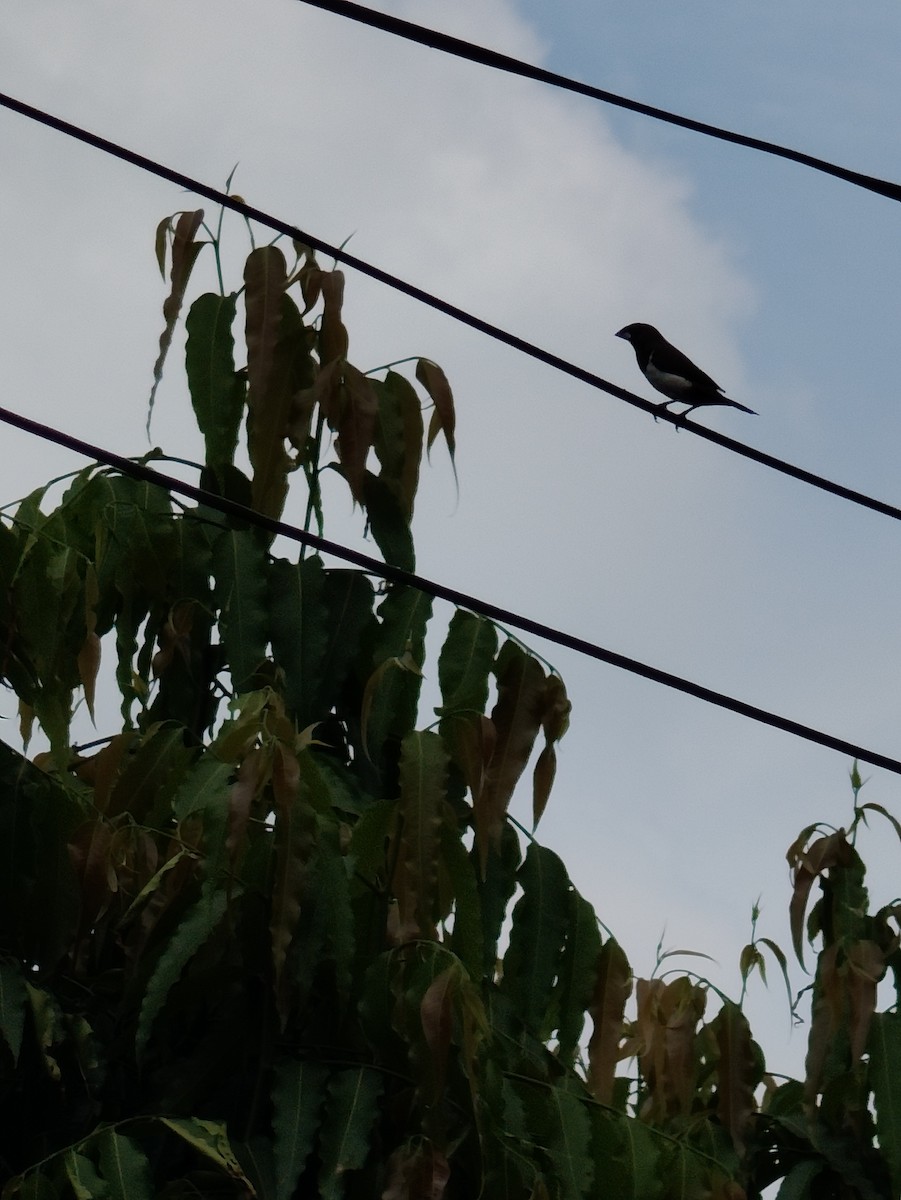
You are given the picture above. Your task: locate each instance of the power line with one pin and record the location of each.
(443, 306)
(492, 612)
(514, 66)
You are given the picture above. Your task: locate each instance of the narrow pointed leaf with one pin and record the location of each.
(13, 1000)
(885, 1077)
(737, 1073)
(124, 1167)
(194, 930)
(184, 255)
(613, 985)
(423, 787)
(240, 569)
(297, 1097)
(536, 937)
(352, 1105)
(217, 392)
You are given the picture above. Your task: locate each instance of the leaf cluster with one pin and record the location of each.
(274, 938)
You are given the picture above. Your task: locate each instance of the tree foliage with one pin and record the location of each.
(275, 938)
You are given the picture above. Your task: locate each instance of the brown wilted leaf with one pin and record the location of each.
(517, 718)
(184, 255)
(332, 334)
(865, 968)
(265, 275)
(806, 865)
(437, 1015)
(444, 418)
(736, 1071)
(356, 428)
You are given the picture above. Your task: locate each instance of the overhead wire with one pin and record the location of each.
(473, 52)
(458, 314)
(397, 576)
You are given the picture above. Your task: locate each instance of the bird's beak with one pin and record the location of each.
(624, 333)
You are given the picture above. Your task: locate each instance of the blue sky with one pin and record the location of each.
(560, 220)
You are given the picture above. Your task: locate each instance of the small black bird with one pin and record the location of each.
(669, 371)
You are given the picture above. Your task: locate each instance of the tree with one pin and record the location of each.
(274, 938)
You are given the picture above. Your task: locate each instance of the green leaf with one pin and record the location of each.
(403, 615)
(569, 1146)
(465, 663)
(517, 719)
(295, 838)
(297, 1096)
(300, 633)
(578, 972)
(398, 438)
(193, 932)
(240, 569)
(797, 1184)
(537, 935)
(13, 1000)
(388, 523)
(495, 891)
(423, 787)
(217, 392)
(613, 985)
(209, 1139)
(124, 1167)
(83, 1178)
(346, 1138)
(884, 1047)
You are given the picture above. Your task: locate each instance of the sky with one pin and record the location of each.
(560, 220)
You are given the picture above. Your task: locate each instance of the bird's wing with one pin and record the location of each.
(666, 360)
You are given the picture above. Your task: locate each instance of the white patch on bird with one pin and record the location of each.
(670, 385)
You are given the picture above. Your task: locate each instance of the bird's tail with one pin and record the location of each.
(735, 404)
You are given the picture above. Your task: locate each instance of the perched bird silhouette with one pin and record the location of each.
(669, 371)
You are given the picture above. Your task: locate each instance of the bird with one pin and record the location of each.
(672, 373)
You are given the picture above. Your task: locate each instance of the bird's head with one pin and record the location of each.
(638, 333)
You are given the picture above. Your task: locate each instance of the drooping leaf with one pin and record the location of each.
(388, 523)
(297, 1098)
(517, 719)
(554, 722)
(351, 1109)
(444, 419)
(356, 428)
(398, 438)
(536, 937)
(210, 1140)
(217, 391)
(184, 254)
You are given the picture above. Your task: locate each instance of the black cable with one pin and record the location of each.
(443, 306)
(514, 66)
(493, 612)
